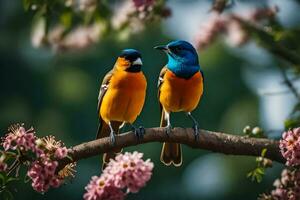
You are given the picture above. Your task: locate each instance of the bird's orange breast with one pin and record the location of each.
(124, 98)
(179, 94)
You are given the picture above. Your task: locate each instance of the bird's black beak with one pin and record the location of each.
(162, 47)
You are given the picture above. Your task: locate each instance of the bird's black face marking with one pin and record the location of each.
(132, 56)
(134, 68)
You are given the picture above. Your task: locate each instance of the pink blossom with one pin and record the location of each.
(261, 14)
(19, 138)
(102, 188)
(61, 152)
(290, 146)
(140, 3)
(42, 174)
(130, 171)
(236, 35)
(127, 171)
(209, 31)
(286, 188)
(231, 26)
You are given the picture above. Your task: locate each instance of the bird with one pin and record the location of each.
(180, 88)
(121, 98)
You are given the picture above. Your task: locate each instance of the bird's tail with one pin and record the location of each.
(104, 131)
(171, 152)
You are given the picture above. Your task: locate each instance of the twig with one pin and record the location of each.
(266, 40)
(289, 83)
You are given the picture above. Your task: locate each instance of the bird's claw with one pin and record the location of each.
(168, 130)
(139, 132)
(112, 138)
(196, 132)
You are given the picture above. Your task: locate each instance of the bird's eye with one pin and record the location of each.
(178, 48)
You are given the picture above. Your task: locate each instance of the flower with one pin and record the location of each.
(68, 171)
(127, 171)
(130, 171)
(209, 31)
(290, 146)
(42, 174)
(237, 36)
(19, 138)
(142, 3)
(122, 14)
(102, 188)
(87, 5)
(286, 188)
(79, 38)
(259, 14)
(231, 26)
(51, 144)
(61, 152)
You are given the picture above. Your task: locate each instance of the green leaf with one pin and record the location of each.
(291, 123)
(256, 174)
(263, 152)
(250, 174)
(26, 179)
(10, 179)
(258, 178)
(260, 170)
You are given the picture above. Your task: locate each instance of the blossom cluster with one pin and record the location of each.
(19, 138)
(286, 188)
(290, 146)
(41, 154)
(128, 17)
(127, 172)
(42, 174)
(231, 26)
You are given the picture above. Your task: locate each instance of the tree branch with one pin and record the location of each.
(212, 141)
(267, 41)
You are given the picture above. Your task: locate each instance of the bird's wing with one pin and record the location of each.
(161, 79)
(103, 88)
(159, 83)
(103, 128)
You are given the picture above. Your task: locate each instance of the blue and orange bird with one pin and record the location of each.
(121, 97)
(180, 87)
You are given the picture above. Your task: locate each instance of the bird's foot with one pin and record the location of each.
(168, 129)
(138, 132)
(196, 132)
(112, 138)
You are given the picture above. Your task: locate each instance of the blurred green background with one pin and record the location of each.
(57, 94)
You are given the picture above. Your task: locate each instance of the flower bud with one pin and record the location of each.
(247, 130)
(256, 131)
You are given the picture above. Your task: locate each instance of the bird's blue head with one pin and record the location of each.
(182, 58)
(129, 60)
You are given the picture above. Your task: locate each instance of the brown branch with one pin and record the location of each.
(212, 141)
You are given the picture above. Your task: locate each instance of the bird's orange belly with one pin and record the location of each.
(124, 100)
(177, 94)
